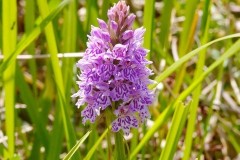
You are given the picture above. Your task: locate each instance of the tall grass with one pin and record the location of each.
(9, 39)
(194, 46)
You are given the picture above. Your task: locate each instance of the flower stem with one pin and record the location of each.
(109, 143)
(120, 150)
(119, 145)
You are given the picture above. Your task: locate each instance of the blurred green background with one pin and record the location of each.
(197, 109)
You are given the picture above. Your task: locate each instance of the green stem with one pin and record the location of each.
(186, 41)
(57, 74)
(119, 145)
(144, 148)
(109, 120)
(197, 92)
(9, 39)
(134, 142)
(148, 24)
(168, 111)
(120, 150)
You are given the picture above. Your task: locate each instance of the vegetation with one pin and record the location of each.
(194, 46)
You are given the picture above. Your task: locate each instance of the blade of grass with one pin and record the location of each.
(91, 19)
(158, 123)
(191, 7)
(94, 148)
(185, 58)
(30, 37)
(9, 18)
(82, 34)
(161, 45)
(92, 140)
(179, 119)
(161, 53)
(69, 45)
(58, 29)
(43, 106)
(1, 27)
(197, 91)
(75, 148)
(28, 98)
(167, 112)
(149, 10)
(148, 23)
(53, 3)
(56, 137)
(35, 154)
(52, 47)
(230, 52)
(165, 24)
(29, 20)
(92, 14)
(105, 7)
(186, 39)
(231, 136)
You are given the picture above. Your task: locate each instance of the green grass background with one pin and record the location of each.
(194, 46)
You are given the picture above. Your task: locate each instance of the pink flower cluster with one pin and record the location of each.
(113, 70)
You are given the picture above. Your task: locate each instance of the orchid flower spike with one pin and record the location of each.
(114, 70)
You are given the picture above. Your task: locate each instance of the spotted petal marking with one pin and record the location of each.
(124, 123)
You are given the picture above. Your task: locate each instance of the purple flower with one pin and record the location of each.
(113, 70)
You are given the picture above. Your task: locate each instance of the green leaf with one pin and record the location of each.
(186, 40)
(157, 123)
(9, 39)
(58, 78)
(75, 148)
(197, 91)
(179, 119)
(92, 14)
(90, 153)
(185, 58)
(28, 38)
(27, 97)
(28, 27)
(148, 17)
(168, 111)
(165, 23)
